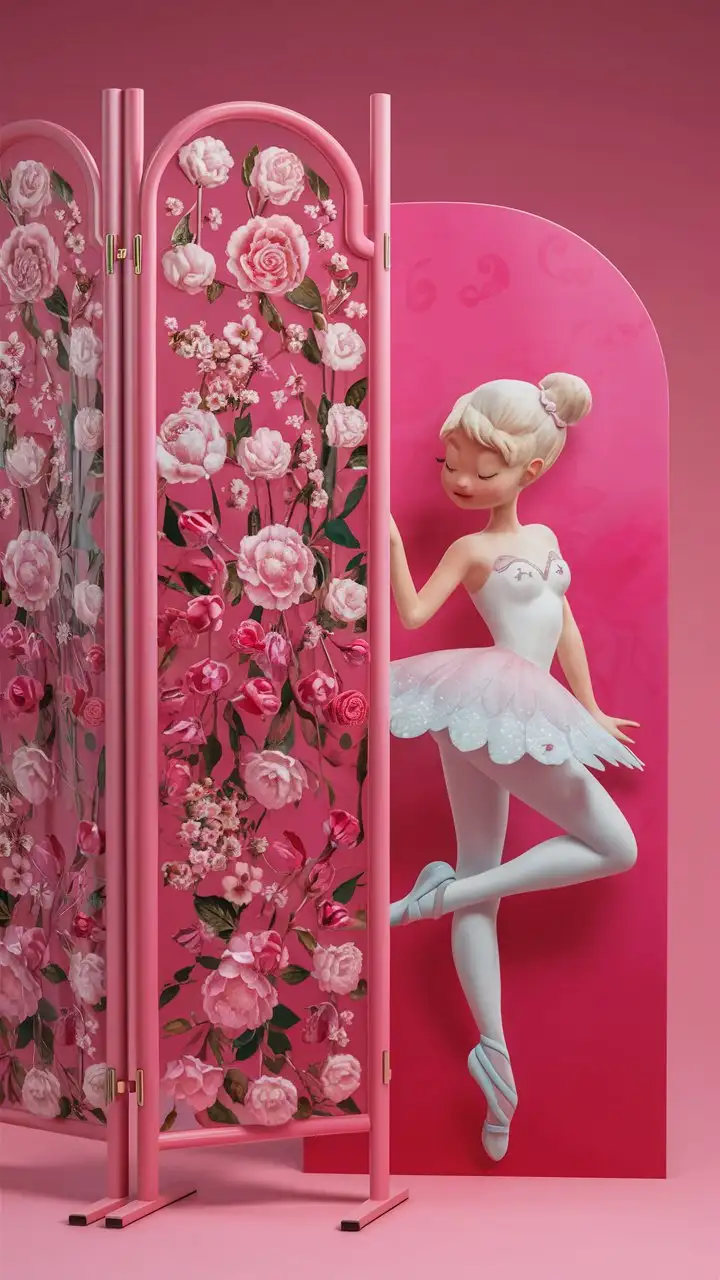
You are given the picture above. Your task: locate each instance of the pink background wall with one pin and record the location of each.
(602, 120)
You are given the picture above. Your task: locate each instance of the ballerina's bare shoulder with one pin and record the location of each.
(531, 542)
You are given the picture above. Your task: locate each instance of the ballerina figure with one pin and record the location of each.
(503, 724)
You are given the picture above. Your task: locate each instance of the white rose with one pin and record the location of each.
(94, 1084)
(337, 969)
(206, 161)
(342, 348)
(278, 175)
(340, 1076)
(89, 430)
(41, 1093)
(191, 446)
(24, 463)
(29, 190)
(265, 455)
(346, 426)
(346, 600)
(189, 267)
(87, 977)
(88, 602)
(85, 351)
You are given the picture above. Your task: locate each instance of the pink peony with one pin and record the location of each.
(191, 446)
(346, 600)
(348, 708)
(197, 527)
(205, 613)
(346, 426)
(206, 162)
(88, 602)
(337, 969)
(340, 1076)
(24, 463)
(278, 569)
(187, 1079)
(20, 991)
(95, 1085)
(265, 455)
(31, 567)
(29, 261)
(23, 694)
(207, 677)
(13, 638)
(87, 977)
(268, 255)
(357, 653)
(342, 828)
(332, 915)
(242, 886)
(85, 351)
(41, 1093)
(237, 997)
(29, 188)
(278, 175)
(88, 430)
(270, 1100)
(34, 774)
(249, 637)
(30, 943)
(258, 698)
(176, 780)
(189, 267)
(342, 348)
(274, 779)
(316, 690)
(265, 951)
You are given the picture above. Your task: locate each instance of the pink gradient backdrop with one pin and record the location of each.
(601, 119)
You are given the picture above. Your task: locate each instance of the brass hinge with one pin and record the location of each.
(386, 250)
(115, 1088)
(386, 1072)
(112, 253)
(137, 254)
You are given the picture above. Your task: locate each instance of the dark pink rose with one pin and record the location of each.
(342, 827)
(357, 653)
(83, 926)
(332, 915)
(90, 839)
(316, 690)
(175, 631)
(278, 650)
(189, 730)
(95, 659)
(318, 1022)
(285, 858)
(320, 878)
(205, 613)
(48, 861)
(191, 939)
(176, 780)
(197, 527)
(349, 708)
(93, 713)
(23, 694)
(265, 951)
(249, 637)
(207, 676)
(13, 638)
(258, 698)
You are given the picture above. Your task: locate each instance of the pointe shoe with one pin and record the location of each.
(433, 879)
(496, 1132)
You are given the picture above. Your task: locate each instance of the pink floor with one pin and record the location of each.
(533, 1229)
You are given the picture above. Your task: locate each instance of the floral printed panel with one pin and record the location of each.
(52, 757)
(262, 648)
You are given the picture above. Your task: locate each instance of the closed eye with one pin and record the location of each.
(492, 476)
(446, 463)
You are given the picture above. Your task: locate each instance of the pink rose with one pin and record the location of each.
(320, 1020)
(187, 1079)
(270, 1100)
(249, 637)
(207, 676)
(337, 969)
(34, 774)
(342, 828)
(356, 653)
(179, 875)
(276, 658)
(24, 464)
(88, 430)
(278, 175)
(191, 446)
(189, 267)
(268, 255)
(29, 261)
(174, 629)
(20, 992)
(316, 689)
(176, 780)
(90, 839)
(276, 567)
(87, 977)
(320, 878)
(85, 351)
(274, 779)
(206, 162)
(348, 708)
(23, 694)
(340, 1076)
(258, 698)
(95, 659)
(30, 943)
(243, 885)
(197, 527)
(265, 951)
(342, 348)
(346, 600)
(205, 613)
(95, 1085)
(93, 713)
(284, 858)
(346, 426)
(83, 926)
(41, 1093)
(237, 997)
(88, 603)
(13, 637)
(32, 570)
(265, 455)
(332, 915)
(29, 188)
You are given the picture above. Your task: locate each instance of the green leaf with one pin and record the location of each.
(171, 527)
(65, 1108)
(62, 356)
(214, 1044)
(208, 962)
(358, 459)
(27, 315)
(322, 567)
(256, 614)
(194, 585)
(236, 728)
(90, 742)
(317, 184)
(362, 760)
(349, 1106)
(217, 914)
(248, 1044)
(283, 1017)
(345, 891)
(4, 193)
(339, 532)
(307, 295)
(99, 1114)
(221, 1114)
(177, 1026)
(215, 290)
(182, 233)
(254, 522)
(310, 348)
(345, 741)
(249, 165)
(294, 974)
(101, 773)
(101, 1005)
(168, 993)
(360, 991)
(278, 1041)
(308, 940)
(323, 410)
(304, 1109)
(54, 973)
(7, 903)
(215, 504)
(354, 497)
(355, 394)
(169, 1121)
(236, 1084)
(57, 304)
(211, 753)
(270, 313)
(242, 427)
(45, 1042)
(24, 1033)
(274, 1065)
(61, 188)
(182, 975)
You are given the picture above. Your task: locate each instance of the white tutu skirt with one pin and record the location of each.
(494, 698)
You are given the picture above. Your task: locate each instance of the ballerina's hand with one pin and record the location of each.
(394, 533)
(615, 726)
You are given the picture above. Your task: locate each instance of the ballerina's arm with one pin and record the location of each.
(418, 607)
(573, 660)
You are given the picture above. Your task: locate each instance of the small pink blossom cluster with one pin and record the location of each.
(211, 832)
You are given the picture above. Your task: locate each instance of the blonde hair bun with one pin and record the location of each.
(570, 394)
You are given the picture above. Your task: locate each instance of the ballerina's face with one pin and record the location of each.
(477, 478)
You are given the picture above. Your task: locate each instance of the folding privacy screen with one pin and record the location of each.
(194, 369)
